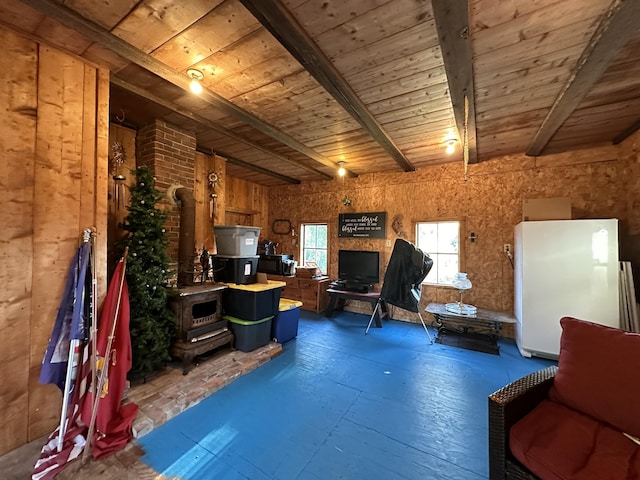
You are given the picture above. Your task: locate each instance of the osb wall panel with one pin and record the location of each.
(52, 134)
(488, 203)
(630, 234)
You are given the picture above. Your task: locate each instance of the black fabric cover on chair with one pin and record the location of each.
(408, 267)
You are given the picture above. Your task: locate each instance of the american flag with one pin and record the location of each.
(51, 461)
(66, 363)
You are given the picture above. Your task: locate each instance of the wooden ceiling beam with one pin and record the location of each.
(627, 132)
(273, 15)
(616, 28)
(106, 39)
(141, 92)
(250, 166)
(452, 22)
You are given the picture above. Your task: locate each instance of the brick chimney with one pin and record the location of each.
(170, 154)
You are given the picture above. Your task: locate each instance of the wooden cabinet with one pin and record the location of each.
(312, 292)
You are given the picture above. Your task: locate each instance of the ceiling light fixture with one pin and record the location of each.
(341, 171)
(451, 146)
(195, 76)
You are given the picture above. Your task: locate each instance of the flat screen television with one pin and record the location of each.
(359, 266)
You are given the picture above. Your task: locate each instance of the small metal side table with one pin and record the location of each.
(479, 332)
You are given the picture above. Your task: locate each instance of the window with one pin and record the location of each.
(314, 240)
(441, 241)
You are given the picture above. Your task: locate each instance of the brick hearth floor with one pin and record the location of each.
(171, 393)
(165, 395)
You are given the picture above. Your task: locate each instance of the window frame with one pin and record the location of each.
(461, 236)
(302, 247)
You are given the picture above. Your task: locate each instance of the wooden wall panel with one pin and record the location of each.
(56, 213)
(201, 194)
(101, 176)
(18, 73)
(116, 204)
(204, 223)
(245, 203)
(54, 139)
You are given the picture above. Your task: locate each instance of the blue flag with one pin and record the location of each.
(70, 320)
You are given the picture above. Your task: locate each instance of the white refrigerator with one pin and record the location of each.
(563, 268)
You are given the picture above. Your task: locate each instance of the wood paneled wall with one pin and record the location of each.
(119, 200)
(246, 203)
(204, 164)
(601, 183)
(54, 139)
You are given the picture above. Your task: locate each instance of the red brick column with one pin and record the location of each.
(170, 154)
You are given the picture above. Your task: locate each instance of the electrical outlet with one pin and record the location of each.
(506, 248)
(388, 243)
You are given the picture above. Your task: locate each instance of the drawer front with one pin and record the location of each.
(291, 293)
(304, 284)
(309, 298)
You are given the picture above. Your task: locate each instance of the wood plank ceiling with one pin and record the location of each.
(294, 87)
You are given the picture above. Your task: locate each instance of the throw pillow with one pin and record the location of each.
(598, 373)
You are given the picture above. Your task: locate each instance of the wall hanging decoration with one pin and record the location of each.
(212, 179)
(396, 225)
(346, 201)
(119, 188)
(362, 225)
(282, 226)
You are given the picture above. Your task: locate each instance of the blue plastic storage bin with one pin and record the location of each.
(285, 324)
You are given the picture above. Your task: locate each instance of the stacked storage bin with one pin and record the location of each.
(249, 311)
(285, 324)
(248, 307)
(237, 258)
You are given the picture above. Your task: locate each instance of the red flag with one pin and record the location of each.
(113, 421)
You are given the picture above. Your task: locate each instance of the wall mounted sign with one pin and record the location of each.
(362, 225)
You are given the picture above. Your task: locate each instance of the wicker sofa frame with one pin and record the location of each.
(506, 407)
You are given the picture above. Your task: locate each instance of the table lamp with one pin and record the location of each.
(461, 283)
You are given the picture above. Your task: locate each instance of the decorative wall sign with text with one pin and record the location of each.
(362, 225)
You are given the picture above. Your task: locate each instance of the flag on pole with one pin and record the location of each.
(66, 355)
(103, 407)
(70, 322)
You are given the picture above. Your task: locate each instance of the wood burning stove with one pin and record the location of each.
(199, 323)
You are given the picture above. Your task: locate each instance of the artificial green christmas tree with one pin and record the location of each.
(152, 324)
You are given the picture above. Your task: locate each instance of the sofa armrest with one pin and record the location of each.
(506, 407)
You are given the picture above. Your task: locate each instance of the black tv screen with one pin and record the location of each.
(359, 266)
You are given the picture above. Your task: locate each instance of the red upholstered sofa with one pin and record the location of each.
(579, 420)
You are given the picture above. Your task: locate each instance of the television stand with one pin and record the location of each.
(358, 287)
(337, 299)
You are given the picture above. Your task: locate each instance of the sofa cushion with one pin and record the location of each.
(556, 442)
(598, 373)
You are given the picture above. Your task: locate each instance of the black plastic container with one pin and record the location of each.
(252, 302)
(232, 269)
(250, 335)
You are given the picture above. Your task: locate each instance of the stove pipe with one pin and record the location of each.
(186, 241)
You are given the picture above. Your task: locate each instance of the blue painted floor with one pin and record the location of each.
(341, 405)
